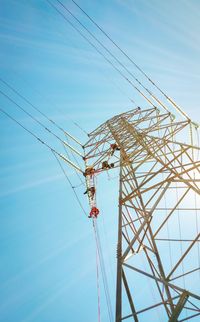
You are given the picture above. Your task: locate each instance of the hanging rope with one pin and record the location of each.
(98, 285)
(103, 271)
(69, 181)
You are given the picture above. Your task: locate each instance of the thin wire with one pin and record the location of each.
(69, 181)
(197, 143)
(109, 61)
(197, 230)
(152, 290)
(79, 177)
(108, 245)
(98, 285)
(33, 117)
(36, 137)
(72, 153)
(36, 108)
(131, 60)
(195, 200)
(103, 272)
(181, 246)
(165, 203)
(76, 124)
(104, 276)
(113, 56)
(30, 132)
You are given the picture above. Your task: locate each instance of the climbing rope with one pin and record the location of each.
(103, 272)
(97, 271)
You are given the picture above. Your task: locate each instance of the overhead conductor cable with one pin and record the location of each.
(113, 56)
(41, 141)
(109, 61)
(131, 60)
(38, 110)
(41, 124)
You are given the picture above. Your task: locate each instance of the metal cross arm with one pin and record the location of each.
(71, 163)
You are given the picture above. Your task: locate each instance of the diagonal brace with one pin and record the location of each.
(179, 306)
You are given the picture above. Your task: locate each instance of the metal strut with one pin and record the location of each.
(179, 306)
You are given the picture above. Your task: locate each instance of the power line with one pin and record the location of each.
(40, 123)
(131, 60)
(100, 52)
(113, 56)
(77, 125)
(55, 153)
(41, 141)
(38, 110)
(75, 161)
(69, 181)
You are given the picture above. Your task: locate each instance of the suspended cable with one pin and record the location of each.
(76, 124)
(38, 110)
(110, 314)
(40, 123)
(197, 231)
(40, 140)
(198, 143)
(165, 199)
(109, 61)
(73, 155)
(98, 285)
(180, 236)
(79, 185)
(55, 153)
(48, 100)
(107, 242)
(166, 212)
(131, 60)
(103, 272)
(69, 181)
(113, 56)
(79, 177)
(114, 83)
(119, 88)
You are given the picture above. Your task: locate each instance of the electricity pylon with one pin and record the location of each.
(158, 229)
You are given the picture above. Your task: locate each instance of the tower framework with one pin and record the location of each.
(158, 251)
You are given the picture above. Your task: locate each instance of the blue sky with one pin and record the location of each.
(47, 269)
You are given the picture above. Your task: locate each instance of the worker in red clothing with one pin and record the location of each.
(94, 212)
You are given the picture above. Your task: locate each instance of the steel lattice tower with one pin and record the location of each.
(158, 233)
